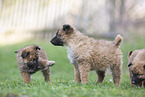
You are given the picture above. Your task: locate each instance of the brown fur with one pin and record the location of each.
(89, 54)
(31, 59)
(136, 66)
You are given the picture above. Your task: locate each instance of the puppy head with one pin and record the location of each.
(137, 74)
(30, 53)
(62, 35)
(136, 68)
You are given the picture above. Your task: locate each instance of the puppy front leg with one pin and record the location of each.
(77, 74)
(46, 74)
(84, 72)
(50, 63)
(26, 77)
(47, 63)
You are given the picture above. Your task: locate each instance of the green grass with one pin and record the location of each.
(62, 76)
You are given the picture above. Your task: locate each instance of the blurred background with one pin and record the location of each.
(26, 19)
(25, 22)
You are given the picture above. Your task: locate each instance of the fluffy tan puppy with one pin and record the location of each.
(89, 54)
(31, 59)
(136, 66)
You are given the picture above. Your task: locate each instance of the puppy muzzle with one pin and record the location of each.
(136, 79)
(56, 41)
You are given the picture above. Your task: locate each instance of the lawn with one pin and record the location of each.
(62, 77)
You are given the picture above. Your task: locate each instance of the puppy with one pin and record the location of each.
(89, 54)
(136, 66)
(31, 59)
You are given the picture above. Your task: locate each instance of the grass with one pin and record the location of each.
(62, 76)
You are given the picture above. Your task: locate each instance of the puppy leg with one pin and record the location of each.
(46, 74)
(116, 73)
(84, 72)
(50, 63)
(26, 77)
(77, 74)
(101, 76)
(47, 63)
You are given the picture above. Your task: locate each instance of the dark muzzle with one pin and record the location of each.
(56, 41)
(136, 80)
(34, 65)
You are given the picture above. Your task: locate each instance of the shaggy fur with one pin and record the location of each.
(89, 54)
(136, 66)
(32, 58)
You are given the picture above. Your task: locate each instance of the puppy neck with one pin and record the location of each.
(76, 39)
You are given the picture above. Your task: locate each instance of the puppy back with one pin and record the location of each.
(118, 40)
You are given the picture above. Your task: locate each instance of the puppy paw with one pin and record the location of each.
(50, 63)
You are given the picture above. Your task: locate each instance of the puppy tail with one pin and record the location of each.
(118, 40)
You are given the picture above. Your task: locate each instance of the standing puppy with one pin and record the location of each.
(89, 54)
(136, 66)
(32, 58)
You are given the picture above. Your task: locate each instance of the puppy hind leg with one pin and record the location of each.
(26, 77)
(100, 75)
(77, 74)
(116, 73)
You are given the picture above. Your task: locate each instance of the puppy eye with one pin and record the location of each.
(28, 53)
(25, 54)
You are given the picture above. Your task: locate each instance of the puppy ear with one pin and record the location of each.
(24, 54)
(16, 52)
(130, 64)
(37, 48)
(67, 29)
(129, 54)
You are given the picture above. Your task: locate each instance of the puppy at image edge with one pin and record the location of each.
(136, 67)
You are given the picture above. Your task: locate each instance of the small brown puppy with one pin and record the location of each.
(136, 66)
(89, 54)
(32, 58)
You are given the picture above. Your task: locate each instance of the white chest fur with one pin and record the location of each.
(71, 55)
